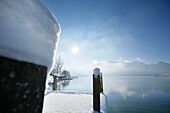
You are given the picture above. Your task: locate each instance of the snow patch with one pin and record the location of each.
(71, 102)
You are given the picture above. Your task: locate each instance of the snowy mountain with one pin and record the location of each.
(136, 69)
(124, 68)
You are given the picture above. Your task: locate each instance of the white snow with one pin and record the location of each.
(71, 102)
(96, 72)
(28, 32)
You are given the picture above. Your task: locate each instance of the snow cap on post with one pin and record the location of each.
(96, 72)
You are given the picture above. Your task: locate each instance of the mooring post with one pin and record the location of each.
(54, 82)
(101, 82)
(96, 89)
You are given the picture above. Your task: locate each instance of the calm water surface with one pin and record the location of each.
(129, 95)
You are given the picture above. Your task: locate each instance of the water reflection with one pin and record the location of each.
(82, 84)
(138, 95)
(61, 84)
(136, 86)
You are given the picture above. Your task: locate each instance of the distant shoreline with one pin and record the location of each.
(161, 76)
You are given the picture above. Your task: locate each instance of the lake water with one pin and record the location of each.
(128, 95)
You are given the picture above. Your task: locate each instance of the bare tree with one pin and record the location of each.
(57, 69)
(66, 73)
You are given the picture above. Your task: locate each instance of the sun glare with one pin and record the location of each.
(75, 49)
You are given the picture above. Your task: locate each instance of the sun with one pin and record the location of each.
(75, 49)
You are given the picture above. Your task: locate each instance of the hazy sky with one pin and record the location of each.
(112, 30)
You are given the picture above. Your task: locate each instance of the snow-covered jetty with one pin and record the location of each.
(77, 102)
(71, 102)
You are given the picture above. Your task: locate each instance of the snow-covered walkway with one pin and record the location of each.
(71, 102)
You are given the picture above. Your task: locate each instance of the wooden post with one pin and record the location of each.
(96, 89)
(101, 81)
(54, 82)
(22, 86)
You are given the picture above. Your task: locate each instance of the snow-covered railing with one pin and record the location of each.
(29, 35)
